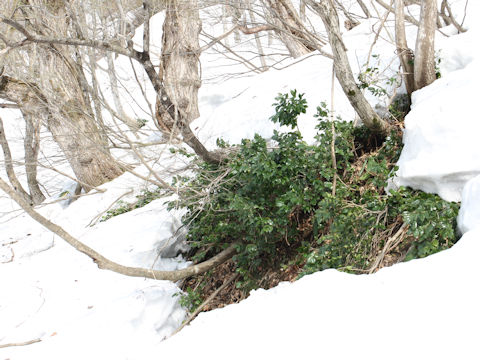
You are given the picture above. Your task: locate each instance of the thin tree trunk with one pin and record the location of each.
(31, 145)
(424, 67)
(131, 123)
(7, 155)
(405, 54)
(343, 71)
(73, 130)
(288, 26)
(258, 41)
(364, 9)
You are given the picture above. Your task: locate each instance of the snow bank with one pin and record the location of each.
(469, 214)
(52, 292)
(441, 151)
(423, 309)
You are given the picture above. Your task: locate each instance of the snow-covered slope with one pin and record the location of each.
(423, 309)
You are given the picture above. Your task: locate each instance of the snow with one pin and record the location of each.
(469, 214)
(441, 152)
(422, 309)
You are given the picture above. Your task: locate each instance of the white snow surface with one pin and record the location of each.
(423, 309)
(469, 214)
(441, 151)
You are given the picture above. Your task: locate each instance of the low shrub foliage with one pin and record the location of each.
(275, 200)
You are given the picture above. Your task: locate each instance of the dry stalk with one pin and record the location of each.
(391, 244)
(202, 305)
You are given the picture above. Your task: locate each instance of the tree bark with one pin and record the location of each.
(343, 71)
(288, 27)
(73, 130)
(405, 54)
(58, 95)
(31, 145)
(364, 8)
(179, 67)
(7, 155)
(424, 67)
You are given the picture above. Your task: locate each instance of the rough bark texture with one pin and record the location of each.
(31, 144)
(405, 54)
(104, 263)
(56, 94)
(73, 130)
(180, 63)
(343, 71)
(424, 68)
(364, 8)
(288, 26)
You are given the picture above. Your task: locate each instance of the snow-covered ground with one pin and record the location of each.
(423, 309)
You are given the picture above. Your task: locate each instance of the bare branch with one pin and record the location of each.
(9, 167)
(392, 10)
(343, 71)
(104, 263)
(23, 343)
(39, 39)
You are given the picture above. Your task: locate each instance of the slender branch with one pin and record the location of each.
(452, 18)
(146, 27)
(9, 166)
(332, 147)
(29, 342)
(256, 29)
(9, 106)
(392, 10)
(202, 305)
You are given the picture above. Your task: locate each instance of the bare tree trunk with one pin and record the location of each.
(257, 37)
(364, 9)
(405, 54)
(73, 130)
(288, 26)
(31, 145)
(180, 63)
(63, 96)
(131, 123)
(343, 71)
(424, 68)
(7, 155)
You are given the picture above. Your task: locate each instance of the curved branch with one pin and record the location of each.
(326, 10)
(106, 264)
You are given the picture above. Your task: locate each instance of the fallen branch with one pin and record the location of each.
(20, 343)
(106, 264)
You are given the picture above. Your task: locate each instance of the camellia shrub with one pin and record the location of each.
(287, 202)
